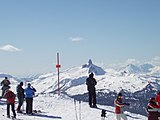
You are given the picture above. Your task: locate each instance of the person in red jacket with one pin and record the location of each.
(10, 96)
(119, 107)
(152, 109)
(157, 98)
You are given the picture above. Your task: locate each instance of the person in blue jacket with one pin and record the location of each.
(29, 94)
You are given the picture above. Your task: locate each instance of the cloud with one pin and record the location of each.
(9, 48)
(76, 39)
(157, 58)
(132, 61)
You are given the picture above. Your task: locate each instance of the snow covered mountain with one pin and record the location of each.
(3, 75)
(136, 86)
(93, 68)
(145, 68)
(63, 107)
(137, 69)
(155, 72)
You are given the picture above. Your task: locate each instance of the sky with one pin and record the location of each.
(32, 32)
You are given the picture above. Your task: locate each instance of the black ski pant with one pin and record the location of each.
(20, 102)
(29, 105)
(12, 107)
(92, 98)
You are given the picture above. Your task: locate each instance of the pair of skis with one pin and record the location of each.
(77, 113)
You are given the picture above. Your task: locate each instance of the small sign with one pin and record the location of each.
(58, 66)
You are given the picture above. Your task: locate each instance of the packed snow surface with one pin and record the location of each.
(62, 107)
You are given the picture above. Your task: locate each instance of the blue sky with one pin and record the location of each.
(104, 30)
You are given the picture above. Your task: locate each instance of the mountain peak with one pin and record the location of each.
(90, 62)
(93, 68)
(143, 68)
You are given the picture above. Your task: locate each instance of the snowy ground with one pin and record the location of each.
(63, 108)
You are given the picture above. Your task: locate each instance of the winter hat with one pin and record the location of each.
(119, 94)
(91, 75)
(21, 83)
(29, 84)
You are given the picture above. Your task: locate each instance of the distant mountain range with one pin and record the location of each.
(143, 68)
(3, 75)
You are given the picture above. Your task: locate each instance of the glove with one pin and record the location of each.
(127, 104)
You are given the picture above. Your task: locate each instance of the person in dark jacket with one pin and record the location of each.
(5, 85)
(153, 110)
(29, 93)
(91, 82)
(119, 107)
(10, 96)
(20, 96)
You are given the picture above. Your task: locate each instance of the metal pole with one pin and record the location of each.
(58, 66)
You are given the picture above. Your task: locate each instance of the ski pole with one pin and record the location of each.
(75, 109)
(79, 109)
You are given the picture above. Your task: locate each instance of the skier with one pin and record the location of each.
(5, 85)
(153, 110)
(29, 93)
(20, 96)
(91, 82)
(10, 96)
(119, 107)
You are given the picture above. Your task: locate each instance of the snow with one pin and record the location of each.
(62, 107)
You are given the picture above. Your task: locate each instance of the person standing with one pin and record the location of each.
(91, 82)
(153, 109)
(157, 98)
(20, 96)
(10, 96)
(5, 85)
(29, 93)
(119, 107)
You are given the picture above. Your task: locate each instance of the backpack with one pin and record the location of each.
(11, 95)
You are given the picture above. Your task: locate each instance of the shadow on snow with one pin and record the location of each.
(47, 116)
(113, 112)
